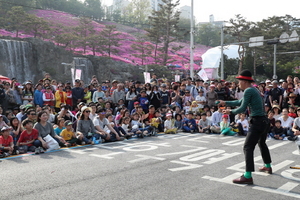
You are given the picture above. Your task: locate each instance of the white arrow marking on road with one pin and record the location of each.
(106, 156)
(144, 147)
(290, 194)
(199, 139)
(188, 167)
(201, 155)
(274, 146)
(145, 157)
(227, 179)
(183, 152)
(236, 142)
(223, 157)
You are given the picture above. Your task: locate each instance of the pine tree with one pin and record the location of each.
(110, 35)
(164, 26)
(143, 48)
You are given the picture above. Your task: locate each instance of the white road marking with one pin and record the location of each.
(106, 156)
(227, 179)
(276, 191)
(235, 142)
(145, 157)
(188, 166)
(287, 187)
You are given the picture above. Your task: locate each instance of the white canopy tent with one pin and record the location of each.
(211, 59)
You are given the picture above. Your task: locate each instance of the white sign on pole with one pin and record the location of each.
(256, 41)
(294, 37)
(147, 77)
(203, 75)
(177, 78)
(284, 37)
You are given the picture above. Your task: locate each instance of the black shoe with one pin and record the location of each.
(292, 138)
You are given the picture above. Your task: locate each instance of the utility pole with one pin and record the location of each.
(192, 41)
(222, 54)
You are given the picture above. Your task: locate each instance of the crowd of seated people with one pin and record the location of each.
(36, 117)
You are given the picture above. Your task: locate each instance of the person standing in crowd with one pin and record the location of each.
(211, 96)
(38, 95)
(60, 98)
(77, 93)
(131, 97)
(118, 94)
(155, 97)
(259, 126)
(98, 93)
(275, 95)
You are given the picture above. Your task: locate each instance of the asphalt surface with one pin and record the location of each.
(182, 166)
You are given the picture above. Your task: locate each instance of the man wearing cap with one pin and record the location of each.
(199, 86)
(259, 126)
(275, 94)
(77, 93)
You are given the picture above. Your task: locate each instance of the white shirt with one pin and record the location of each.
(288, 123)
(244, 123)
(200, 98)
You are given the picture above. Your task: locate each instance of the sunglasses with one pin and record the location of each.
(32, 114)
(87, 111)
(102, 113)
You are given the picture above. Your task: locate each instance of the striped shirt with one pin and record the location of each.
(251, 99)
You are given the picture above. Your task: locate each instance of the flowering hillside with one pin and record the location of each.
(127, 36)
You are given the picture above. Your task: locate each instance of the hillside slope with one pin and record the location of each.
(127, 36)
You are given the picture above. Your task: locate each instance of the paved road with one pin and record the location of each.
(181, 166)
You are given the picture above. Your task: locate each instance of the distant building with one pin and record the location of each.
(120, 4)
(212, 21)
(155, 4)
(185, 12)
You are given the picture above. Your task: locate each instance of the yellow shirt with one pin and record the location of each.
(66, 135)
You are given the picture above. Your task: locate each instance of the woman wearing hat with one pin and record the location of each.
(258, 129)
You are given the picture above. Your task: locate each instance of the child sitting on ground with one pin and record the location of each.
(204, 124)
(189, 125)
(178, 122)
(136, 124)
(126, 127)
(27, 139)
(243, 124)
(225, 127)
(69, 136)
(157, 121)
(6, 142)
(169, 125)
(278, 131)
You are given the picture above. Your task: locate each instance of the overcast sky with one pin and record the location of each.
(253, 10)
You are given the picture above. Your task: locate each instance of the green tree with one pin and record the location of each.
(240, 29)
(36, 26)
(144, 49)
(83, 31)
(138, 12)
(208, 34)
(112, 40)
(94, 9)
(15, 19)
(164, 26)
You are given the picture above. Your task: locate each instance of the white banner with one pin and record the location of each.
(177, 78)
(203, 75)
(147, 77)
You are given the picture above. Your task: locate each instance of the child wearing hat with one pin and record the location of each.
(169, 124)
(69, 136)
(6, 142)
(225, 126)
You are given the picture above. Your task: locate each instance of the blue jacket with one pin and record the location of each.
(38, 98)
(189, 122)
